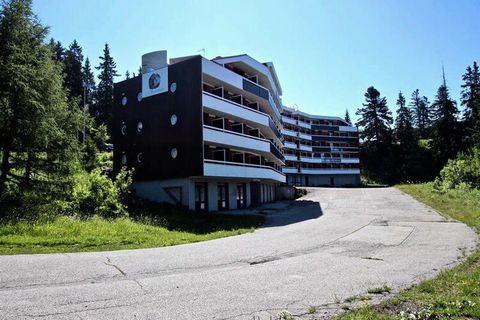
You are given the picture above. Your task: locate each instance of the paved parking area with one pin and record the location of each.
(332, 244)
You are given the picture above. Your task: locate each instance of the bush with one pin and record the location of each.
(94, 193)
(461, 173)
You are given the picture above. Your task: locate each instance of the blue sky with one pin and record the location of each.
(326, 53)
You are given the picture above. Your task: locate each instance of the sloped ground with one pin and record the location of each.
(310, 256)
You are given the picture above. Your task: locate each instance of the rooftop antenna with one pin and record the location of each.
(202, 50)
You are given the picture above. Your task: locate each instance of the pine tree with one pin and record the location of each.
(88, 83)
(446, 142)
(347, 118)
(73, 70)
(403, 123)
(375, 118)
(104, 111)
(127, 75)
(470, 99)
(38, 129)
(58, 52)
(421, 113)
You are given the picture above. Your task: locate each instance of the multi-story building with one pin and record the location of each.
(205, 134)
(319, 150)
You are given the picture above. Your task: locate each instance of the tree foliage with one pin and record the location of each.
(470, 99)
(104, 107)
(421, 114)
(446, 135)
(347, 118)
(73, 62)
(375, 118)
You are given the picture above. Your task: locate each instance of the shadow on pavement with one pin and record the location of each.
(297, 211)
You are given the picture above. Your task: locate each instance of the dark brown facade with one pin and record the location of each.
(145, 133)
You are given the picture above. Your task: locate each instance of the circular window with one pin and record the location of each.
(124, 129)
(139, 96)
(124, 159)
(140, 157)
(174, 153)
(173, 87)
(139, 126)
(173, 119)
(124, 101)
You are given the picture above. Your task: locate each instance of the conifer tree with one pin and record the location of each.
(104, 107)
(446, 142)
(347, 118)
(58, 52)
(73, 70)
(470, 99)
(375, 118)
(403, 124)
(38, 129)
(127, 75)
(88, 83)
(421, 113)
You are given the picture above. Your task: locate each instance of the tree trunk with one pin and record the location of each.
(27, 178)
(5, 168)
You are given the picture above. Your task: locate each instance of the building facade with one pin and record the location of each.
(205, 134)
(319, 150)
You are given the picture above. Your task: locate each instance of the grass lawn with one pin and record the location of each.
(153, 226)
(454, 294)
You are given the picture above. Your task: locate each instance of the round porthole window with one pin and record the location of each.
(139, 96)
(173, 87)
(124, 129)
(124, 101)
(173, 119)
(124, 159)
(140, 157)
(174, 153)
(140, 126)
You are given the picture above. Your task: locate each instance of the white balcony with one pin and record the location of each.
(304, 124)
(213, 168)
(290, 145)
(305, 147)
(347, 129)
(289, 120)
(350, 160)
(238, 112)
(238, 141)
(304, 136)
(225, 76)
(329, 171)
(290, 133)
(289, 157)
(289, 170)
(329, 160)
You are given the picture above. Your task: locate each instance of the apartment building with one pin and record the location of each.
(319, 150)
(205, 134)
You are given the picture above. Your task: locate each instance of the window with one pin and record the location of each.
(201, 196)
(241, 190)
(174, 153)
(222, 189)
(124, 101)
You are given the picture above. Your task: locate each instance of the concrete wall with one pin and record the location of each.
(339, 180)
(184, 190)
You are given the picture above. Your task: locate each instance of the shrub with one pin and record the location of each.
(94, 193)
(461, 173)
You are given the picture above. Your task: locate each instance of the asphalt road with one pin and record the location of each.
(334, 244)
